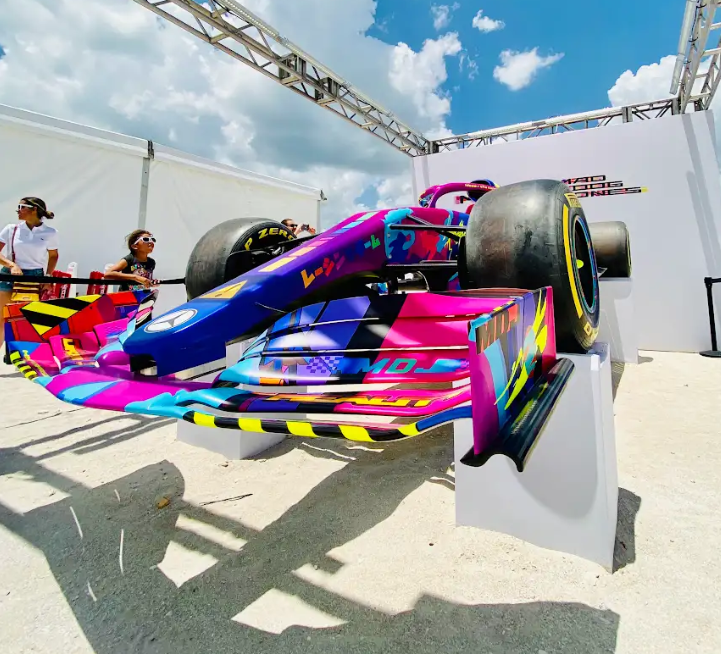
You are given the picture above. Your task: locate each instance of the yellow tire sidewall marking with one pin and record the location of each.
(570, 262)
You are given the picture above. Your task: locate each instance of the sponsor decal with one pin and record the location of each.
(225, 292)
(171, 320)
(596, 186)
(273, 231)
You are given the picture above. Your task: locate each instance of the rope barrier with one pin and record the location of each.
(30, 279)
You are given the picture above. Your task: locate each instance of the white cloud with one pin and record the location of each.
(442, 14)
(518, 69)
(117, 66)
(648, 83)
(652, 82)
(486, 24)
(395, 192)
(418, 74)
(464, 61)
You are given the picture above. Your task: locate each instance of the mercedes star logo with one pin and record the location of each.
(170, 320)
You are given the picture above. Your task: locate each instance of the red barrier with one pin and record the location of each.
(60, 290)
(96, 289)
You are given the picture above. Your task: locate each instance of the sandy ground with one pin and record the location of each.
(325, 547)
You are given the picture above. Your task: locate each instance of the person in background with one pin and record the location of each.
(135, 269)
(293, 227)
(27, 247)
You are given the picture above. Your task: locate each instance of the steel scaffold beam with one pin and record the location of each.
(699, 39)
(558, 124)
(232, 29)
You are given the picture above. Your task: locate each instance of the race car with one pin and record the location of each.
(337, 341)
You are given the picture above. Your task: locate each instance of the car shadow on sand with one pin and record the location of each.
(106, 546)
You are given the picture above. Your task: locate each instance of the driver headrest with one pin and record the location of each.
(484, 186)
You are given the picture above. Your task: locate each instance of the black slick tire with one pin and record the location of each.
(532, 234)
(210, 263)
(612, 246)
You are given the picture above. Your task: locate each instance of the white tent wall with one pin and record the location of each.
(90, 178)
(674, 225)
(187, 196)
(101, 188)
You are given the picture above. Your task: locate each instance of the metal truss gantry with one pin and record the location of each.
(560, 124)
(231, 28)
(234, 30)
(693, 48)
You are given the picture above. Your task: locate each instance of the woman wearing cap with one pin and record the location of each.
(27, 247)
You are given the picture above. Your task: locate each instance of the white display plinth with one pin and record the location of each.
(567, 497)
(231, 443)
(618, 321)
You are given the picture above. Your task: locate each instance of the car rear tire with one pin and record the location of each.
(210, 263)
(612, 247)
(533, 234)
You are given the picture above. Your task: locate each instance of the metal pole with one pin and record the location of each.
(711, 316)
(144, 184)
(713, 352)
(682, 44)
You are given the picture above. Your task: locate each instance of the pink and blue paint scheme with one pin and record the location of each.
(488, 355)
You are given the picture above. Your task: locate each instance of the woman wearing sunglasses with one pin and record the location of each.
(27, 247)
(136, 268)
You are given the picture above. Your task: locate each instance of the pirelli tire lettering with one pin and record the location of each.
(264, 233)
(596, 186)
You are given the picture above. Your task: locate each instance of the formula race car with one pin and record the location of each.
(389, 324)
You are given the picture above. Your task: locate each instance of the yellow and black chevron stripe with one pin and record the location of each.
(44, 316)
(308, 429)
(22, 365)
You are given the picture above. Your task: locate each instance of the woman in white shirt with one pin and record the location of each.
(26, 248)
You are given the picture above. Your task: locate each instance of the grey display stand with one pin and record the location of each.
(230, 443)
(566, 499)
(618, 321)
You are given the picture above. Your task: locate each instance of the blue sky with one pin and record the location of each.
(599, 42)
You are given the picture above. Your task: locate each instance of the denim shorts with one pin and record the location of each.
(8, 286)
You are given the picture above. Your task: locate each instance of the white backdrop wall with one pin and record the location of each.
(89, 178)
(674, 224)
(93, 180)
